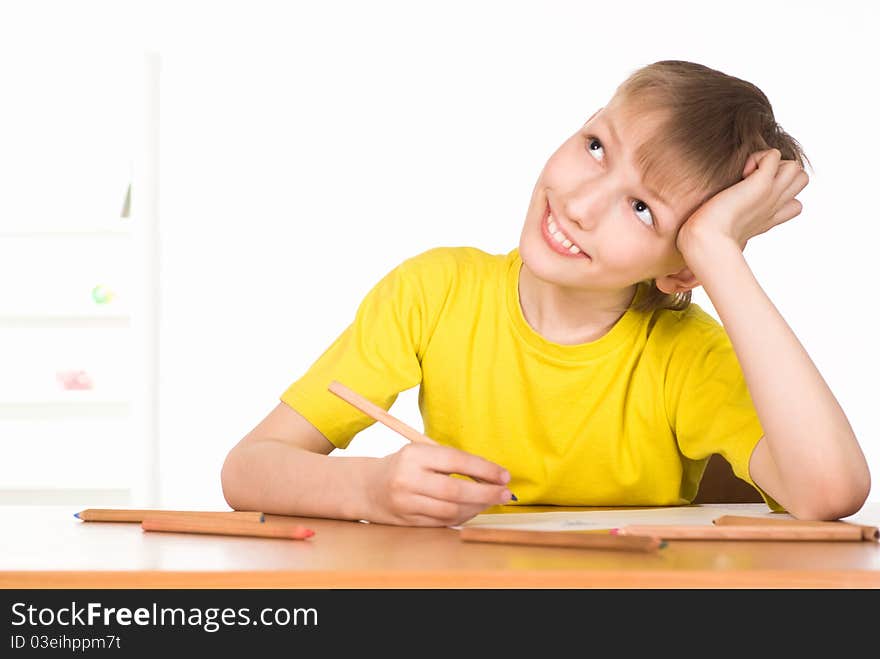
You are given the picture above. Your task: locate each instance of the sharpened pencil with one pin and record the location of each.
(138, 514)
(560, 539)
(228, 527)
(761, 532)
(868, 532)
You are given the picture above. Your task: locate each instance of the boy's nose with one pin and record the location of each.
(586, 204)
(584, 211)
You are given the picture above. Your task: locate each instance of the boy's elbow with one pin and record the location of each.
(229, 480)
(852, 495)
(835, 502)
(856, 496)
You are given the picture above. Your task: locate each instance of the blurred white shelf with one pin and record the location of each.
(80, 268)
(52, 319)
(55, 314)
(39, 411)
(84, 397)
(118, 227)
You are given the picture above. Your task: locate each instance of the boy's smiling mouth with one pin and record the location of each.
(558, 240)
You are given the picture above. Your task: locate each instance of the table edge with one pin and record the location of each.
(443, 579)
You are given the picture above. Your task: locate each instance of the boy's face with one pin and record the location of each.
(591, 191)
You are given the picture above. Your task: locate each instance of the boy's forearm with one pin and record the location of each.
(809, 436)
(273, 477)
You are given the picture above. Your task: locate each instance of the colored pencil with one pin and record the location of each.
(375, 412)
(759, 532)
(138, 515)
(227, 527)
(868, 532)
(578, 539)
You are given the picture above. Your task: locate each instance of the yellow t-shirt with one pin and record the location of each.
(629, 419)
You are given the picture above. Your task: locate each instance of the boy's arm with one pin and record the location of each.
(282, 467)
(809, 459)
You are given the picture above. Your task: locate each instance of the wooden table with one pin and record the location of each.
(46, 547)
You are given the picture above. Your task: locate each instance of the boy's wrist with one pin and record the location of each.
(700, 250)
(355, 503)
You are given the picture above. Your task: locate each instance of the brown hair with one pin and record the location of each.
(709, 124)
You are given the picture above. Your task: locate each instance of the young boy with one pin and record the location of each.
(574, 370)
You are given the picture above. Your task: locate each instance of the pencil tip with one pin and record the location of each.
(663, 543)
(76, 515)
(513, 497)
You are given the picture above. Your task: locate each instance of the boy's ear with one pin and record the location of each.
(678, 282)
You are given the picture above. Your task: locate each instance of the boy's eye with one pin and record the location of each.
(593, 146)
(591, 141)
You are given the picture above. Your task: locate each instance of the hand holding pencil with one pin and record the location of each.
(415, 486)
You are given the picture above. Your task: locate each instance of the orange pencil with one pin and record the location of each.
(375, 412)
(138, 515)
(228, 527)
(560, 538)
(759, 532)
(868, 532)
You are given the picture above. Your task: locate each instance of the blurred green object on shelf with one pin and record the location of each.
(101, 294)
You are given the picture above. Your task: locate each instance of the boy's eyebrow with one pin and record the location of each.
(616, 139)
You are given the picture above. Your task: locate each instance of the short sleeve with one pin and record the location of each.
(711, 409)
(377, 355)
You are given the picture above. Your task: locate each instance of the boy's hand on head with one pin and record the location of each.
(413, 487)
(764, 198)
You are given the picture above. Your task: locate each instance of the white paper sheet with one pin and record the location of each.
(609, 519)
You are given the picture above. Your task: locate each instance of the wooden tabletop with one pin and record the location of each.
(47, 547)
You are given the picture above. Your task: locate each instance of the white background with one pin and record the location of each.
(309, 147)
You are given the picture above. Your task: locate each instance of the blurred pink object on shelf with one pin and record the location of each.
(74, 380)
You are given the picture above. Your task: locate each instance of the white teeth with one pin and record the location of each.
(560, 238)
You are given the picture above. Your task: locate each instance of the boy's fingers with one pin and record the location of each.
(448, 460)
(792, 208)
(432, 509)
(769, 161)
(755, 159)
(461, 491)
(426, 511)
(794, 188)
(793, 182)
(751, 165)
